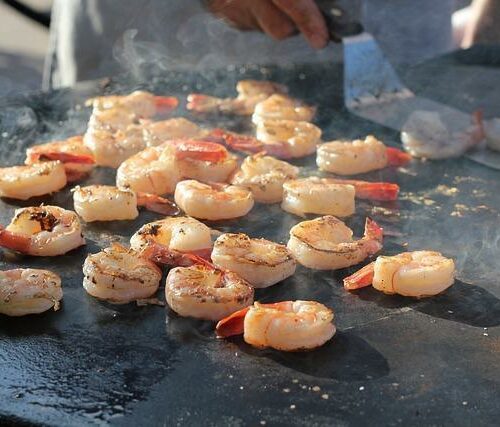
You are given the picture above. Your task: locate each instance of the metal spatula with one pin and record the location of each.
(373, 90)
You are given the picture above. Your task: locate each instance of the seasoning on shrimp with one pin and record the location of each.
(285, 326)
(29, 291)
(42, 231)
(296, 138)
(173, 241)
(77, 158)
(264, 176)
(156, 133)
(153, 170)
(260, 262)
(358, 156)
(205, 292)
(414, 274)
(326, 243)
(318, 195)
(282, 107)
(38, 179)
(108, 203)
(213, 201)
(119, 275)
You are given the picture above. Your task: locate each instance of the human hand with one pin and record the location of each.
(277, 18)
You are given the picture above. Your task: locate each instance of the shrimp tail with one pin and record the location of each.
(232, 324)
(163, 255)
(383, 191)
(374, 235)
(14, 241)
(157, 204)
(165, 104)
(479, 133)
(396, 157)
(234, 141)
(360, 279)
(67, 157)
(199, 150)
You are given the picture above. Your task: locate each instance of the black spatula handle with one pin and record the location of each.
(339, 22)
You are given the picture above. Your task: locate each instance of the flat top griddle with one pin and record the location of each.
(393, 361)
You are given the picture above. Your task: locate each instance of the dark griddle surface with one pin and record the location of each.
(393, 361)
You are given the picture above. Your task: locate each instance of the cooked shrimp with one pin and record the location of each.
(153, 170)
(326, 243)
(282, 107)
(285, 326)
(157, 169)
(205, 292)
(358, 156)
(264, 176)
(108, 203)
(246, 143)
(142, 103)
(297, 138)
(213, 201)
(250, 92)
(156, 133)
(204, 161)
(260, 262)
(77, 158)
(29, 291)
(42, 231)
(413, 274)
(119, 275)
(111, 148)
(38, 179)
(370, 190)
(319, 196)
(425, 134)
(173, 240)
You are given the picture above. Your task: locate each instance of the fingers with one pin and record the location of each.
(307, 17)
(272, 20)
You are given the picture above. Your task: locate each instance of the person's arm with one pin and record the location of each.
(277, 18)
(484, 23)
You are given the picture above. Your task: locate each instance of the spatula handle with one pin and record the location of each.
(339, 22)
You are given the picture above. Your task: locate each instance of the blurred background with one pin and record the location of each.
(24, 40)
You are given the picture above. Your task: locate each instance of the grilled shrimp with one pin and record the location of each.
(250, 92)
(318, 195)
(119, 275)
(173, 240)
(108, 203)
(282, 107)
(112, 147)
(206, 292)
(42, 231)
(153, 170)
(156, 133)
(141, 103)
(425, 134)
(264, 176)
(29, 291)
(285, 326)
(358, 156)
(203, 160)
(213, 201)
(260, 262)
(77, 158)
(296, 138)
(24, 182)
(326, 243)
(412, 274)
